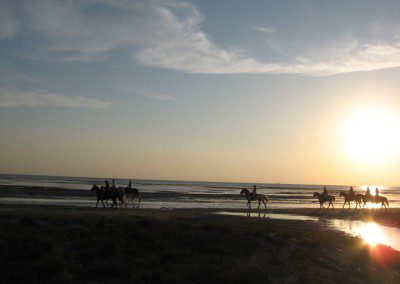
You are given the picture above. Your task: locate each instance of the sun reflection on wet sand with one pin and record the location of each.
(370, 232)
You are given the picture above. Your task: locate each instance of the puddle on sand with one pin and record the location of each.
(371, 232)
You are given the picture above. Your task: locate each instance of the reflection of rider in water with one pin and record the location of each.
(254, 191)
(325, 192)
(351, 191)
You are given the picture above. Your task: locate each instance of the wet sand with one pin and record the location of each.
(74, 243)
(65, 243)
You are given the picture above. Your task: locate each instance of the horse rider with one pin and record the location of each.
(325, 192)
(107, 186)
(351, 191)
(113, 184)
(130, 184)
(376, 193)
(254, 191)
(368, 192)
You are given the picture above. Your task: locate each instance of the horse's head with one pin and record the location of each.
(94, 188)
(244, 191)
(341, 193)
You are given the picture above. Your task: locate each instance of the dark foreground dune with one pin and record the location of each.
(72, 244)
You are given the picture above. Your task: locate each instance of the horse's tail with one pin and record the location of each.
(387, 202)
(333, 198)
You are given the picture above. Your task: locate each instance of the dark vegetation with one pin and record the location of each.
(98, 246)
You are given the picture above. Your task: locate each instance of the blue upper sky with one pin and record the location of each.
(206, 90)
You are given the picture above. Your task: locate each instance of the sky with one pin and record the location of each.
(247, 91)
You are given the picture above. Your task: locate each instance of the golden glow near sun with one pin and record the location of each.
(372, 136)
(372, 234)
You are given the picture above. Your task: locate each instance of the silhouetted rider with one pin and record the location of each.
(376, 193)
(254, 191)
(368, 192)
(325, 192)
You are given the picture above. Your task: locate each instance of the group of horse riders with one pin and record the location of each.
(352, 196)
(113, 187)
(123, 194)
(252, 195)
(351, 192)
(107, 192)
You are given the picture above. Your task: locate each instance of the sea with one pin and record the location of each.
(168, 194)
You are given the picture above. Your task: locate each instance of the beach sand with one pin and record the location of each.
(82, 244)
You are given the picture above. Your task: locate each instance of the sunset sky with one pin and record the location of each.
(250, 91)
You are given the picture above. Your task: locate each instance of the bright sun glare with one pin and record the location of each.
(372, 234)
(372, 136)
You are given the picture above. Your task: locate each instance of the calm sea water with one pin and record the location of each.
(188, 194)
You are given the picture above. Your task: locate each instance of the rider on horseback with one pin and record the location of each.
(351, 191)
(368, 193)
(254, 191)
(325, 192)
(107, 186)
(113, 184)
(376, 193)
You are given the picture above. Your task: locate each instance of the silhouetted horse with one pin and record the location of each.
(375, 199)
(324, 198)
(110, 194)
(347, 198)
(250, 197)
(358, 198)
(104, 195)
(131, 193)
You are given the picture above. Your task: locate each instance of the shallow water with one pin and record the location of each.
(269, 215)
(371, 232)
(195, 194)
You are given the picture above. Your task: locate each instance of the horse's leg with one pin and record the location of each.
(349, 204)
(97, 203)
(331, 204)
(265, 204)
(344, 204)
(103, 204)
(259, 203)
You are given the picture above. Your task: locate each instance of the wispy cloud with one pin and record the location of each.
(168, 34)
(17, 98)
(265, 30)
(159, 96)
(150, 95)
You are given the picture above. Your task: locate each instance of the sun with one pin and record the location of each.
(371, 136)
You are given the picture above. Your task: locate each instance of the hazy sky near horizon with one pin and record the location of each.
(252, 91)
